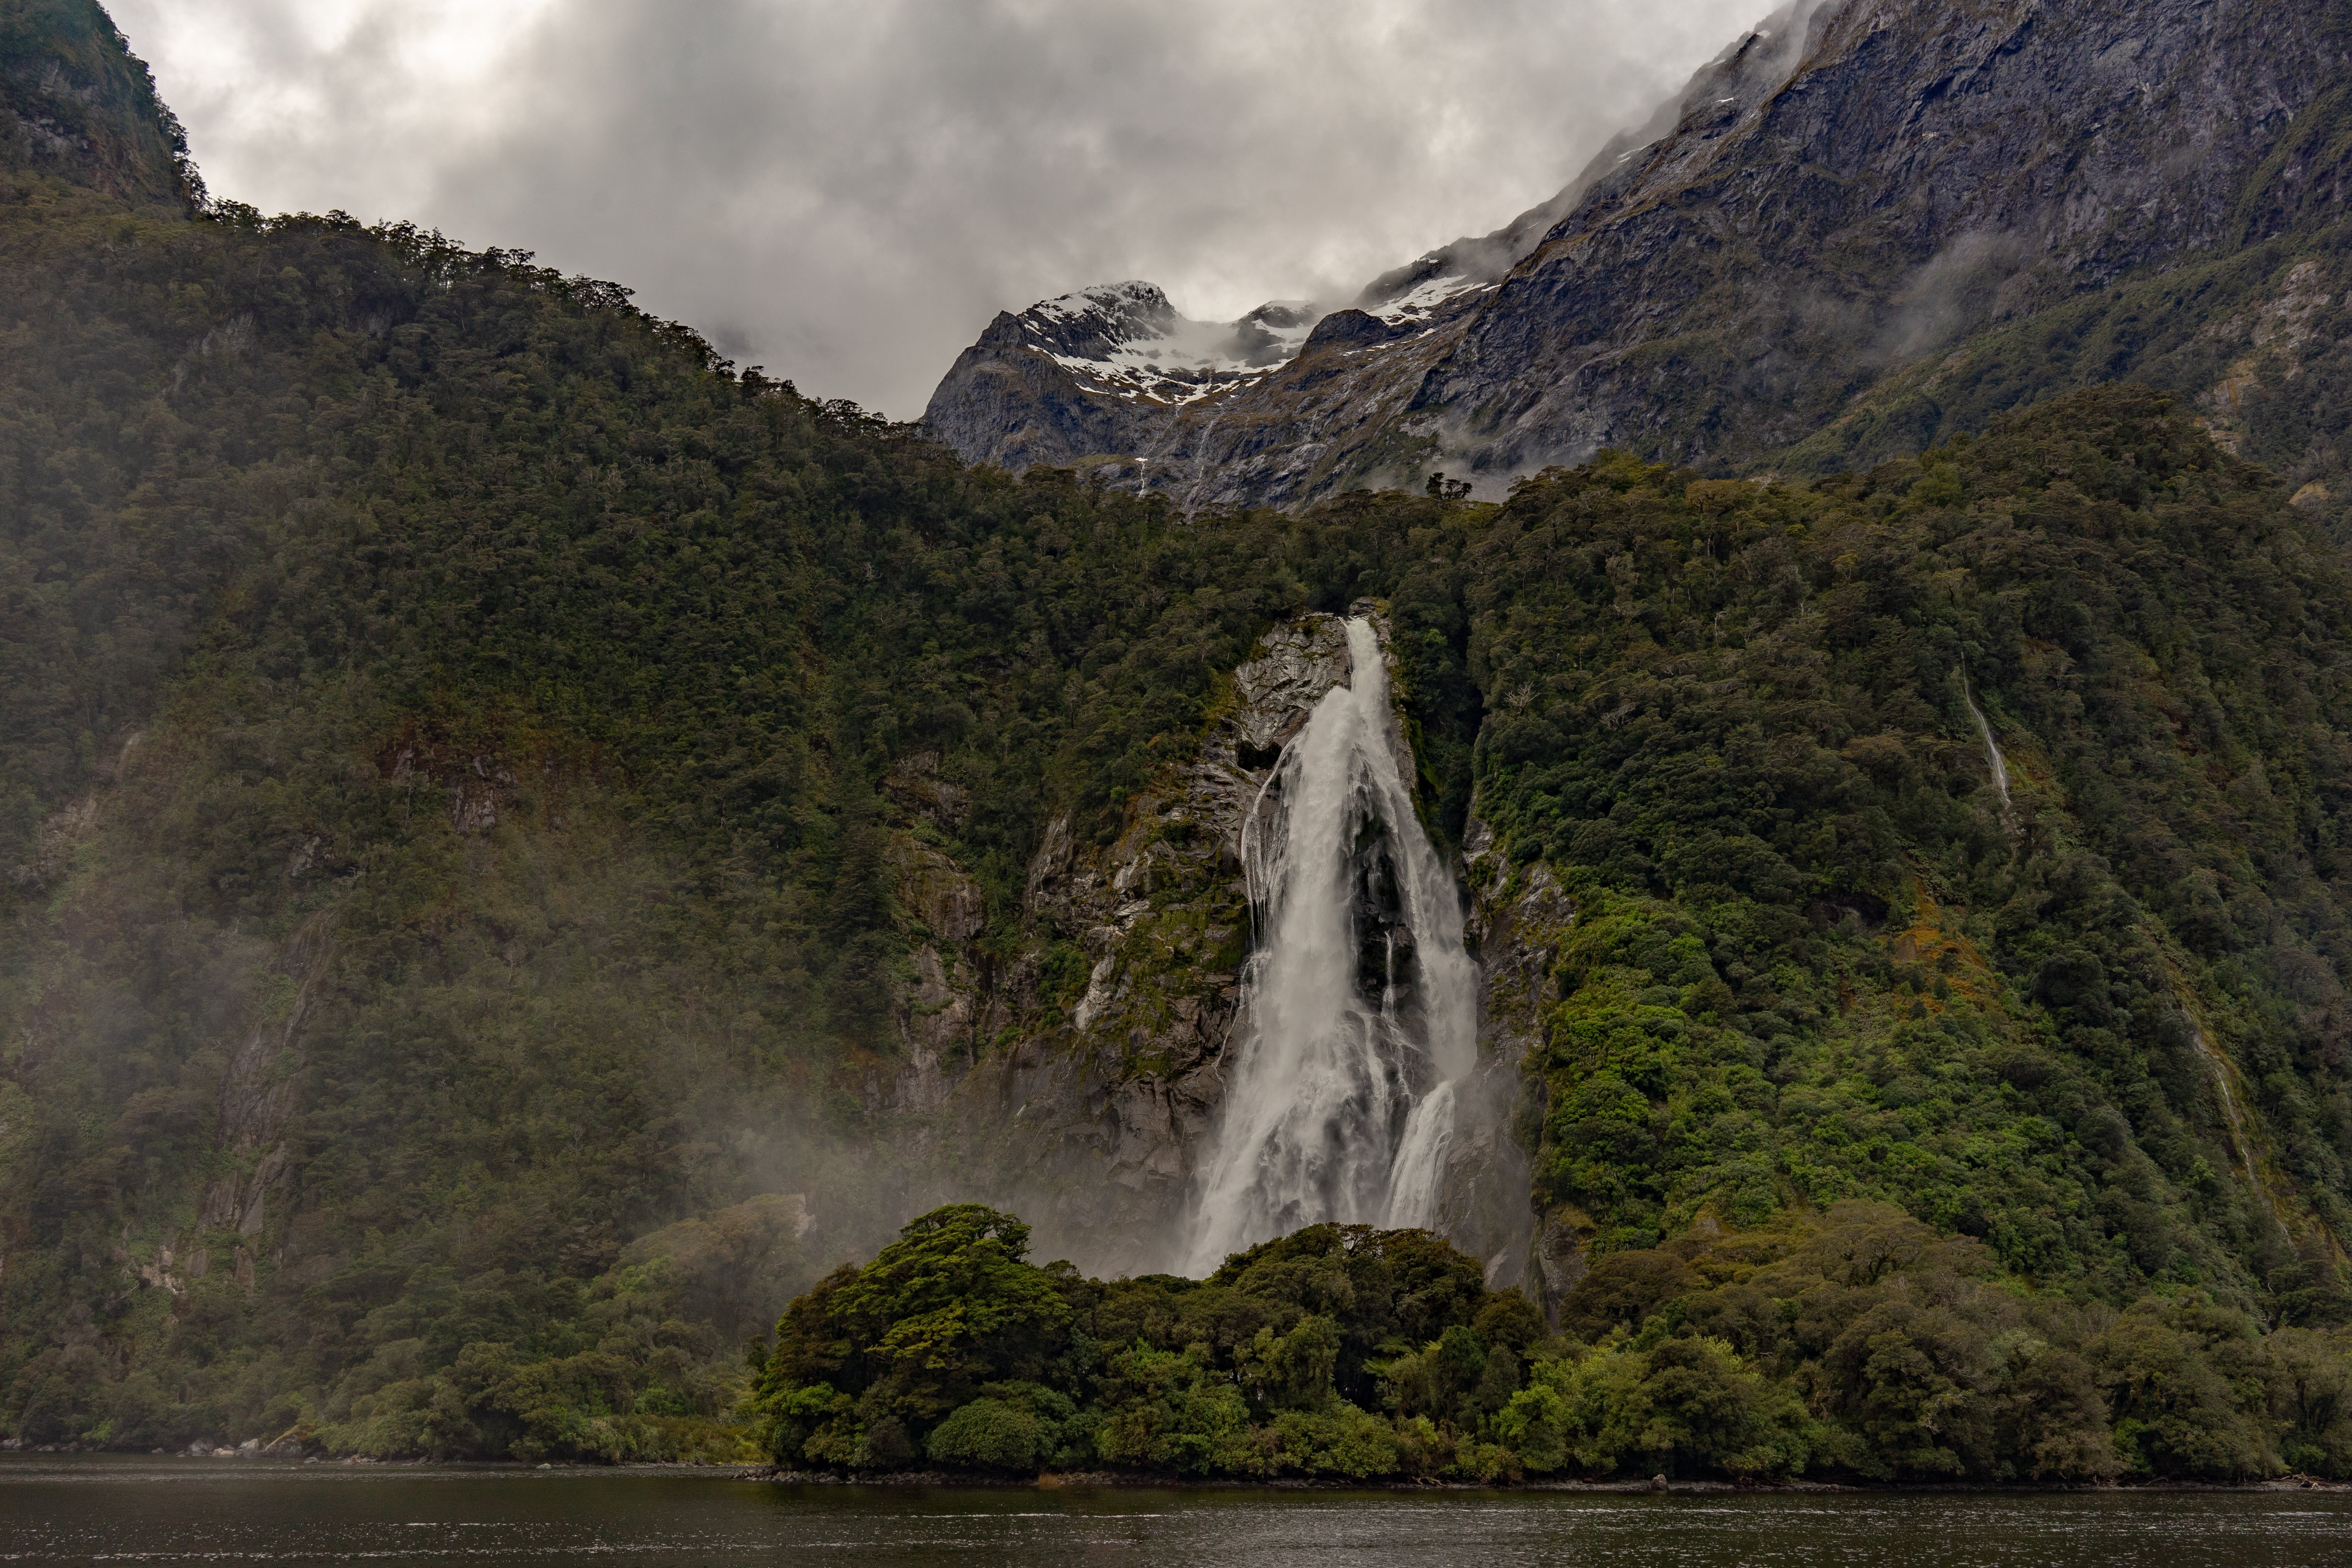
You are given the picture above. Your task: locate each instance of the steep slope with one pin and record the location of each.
(453, 740)
(1925, 168)
(74, 102)
(2253, 338)
(1851, 192)
(523, 846)
(1059, 384)
(1763, 920)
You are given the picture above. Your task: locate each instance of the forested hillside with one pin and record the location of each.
(448, 721)
(462, 748)
(1832, 975)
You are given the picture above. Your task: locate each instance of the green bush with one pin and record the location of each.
(990, 1434)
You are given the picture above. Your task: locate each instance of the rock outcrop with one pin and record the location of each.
(1079, 1084)
(1098, 1057)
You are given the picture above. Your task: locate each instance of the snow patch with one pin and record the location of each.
(1426, 298)
(1125, 340)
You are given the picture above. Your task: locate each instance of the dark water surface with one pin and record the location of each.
(106, 1509)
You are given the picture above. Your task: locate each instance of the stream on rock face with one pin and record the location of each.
(1358, 1008)
(1993, 759)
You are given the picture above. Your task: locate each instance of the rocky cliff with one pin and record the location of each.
(77, 104)
(1081, 1084)
(1847, 195)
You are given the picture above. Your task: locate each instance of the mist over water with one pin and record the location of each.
(1360, 1006)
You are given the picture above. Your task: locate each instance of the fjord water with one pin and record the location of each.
(103, 1508)
(1360, 1006)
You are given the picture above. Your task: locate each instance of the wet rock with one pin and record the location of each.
(1088, 1122)
(1518, 917)
(1560, 1261)
(935, 1027)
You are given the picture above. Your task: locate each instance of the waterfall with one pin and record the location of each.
(1360, 1006)
(2240, 1144)
(2220, 1070)
(1421, 1161)
(1992, 750)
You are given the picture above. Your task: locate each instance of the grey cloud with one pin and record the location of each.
(848, 192)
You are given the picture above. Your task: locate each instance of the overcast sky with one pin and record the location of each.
(846, 191)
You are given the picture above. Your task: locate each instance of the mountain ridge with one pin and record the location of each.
(1076, 366)
(528, 853)
(1716, 291)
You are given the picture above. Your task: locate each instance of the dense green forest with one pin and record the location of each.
(1742, 721)
(454, 733)
(1854, 1340)
(447, 718)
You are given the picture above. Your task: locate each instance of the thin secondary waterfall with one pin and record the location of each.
(1360, 1006)
(2240, 1144)
(1992, 748)
(2220, 1070)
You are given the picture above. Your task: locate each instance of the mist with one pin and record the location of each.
(846, 194)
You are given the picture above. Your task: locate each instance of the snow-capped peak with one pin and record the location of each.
(1127, 338)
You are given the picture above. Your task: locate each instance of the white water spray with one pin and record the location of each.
(1359, 1008)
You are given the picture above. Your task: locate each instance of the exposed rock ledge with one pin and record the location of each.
(1083, 1107)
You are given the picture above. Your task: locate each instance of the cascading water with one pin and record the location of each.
(1360, 1007)
(1993, 759)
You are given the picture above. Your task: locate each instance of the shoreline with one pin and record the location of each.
(1122, 1480)
(1654, 1486)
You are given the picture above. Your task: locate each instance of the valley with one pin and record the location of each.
(1707, 837)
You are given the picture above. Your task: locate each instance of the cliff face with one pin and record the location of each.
(1853, 191)
(1092, 1119)
(1916, 172)
(75, 103)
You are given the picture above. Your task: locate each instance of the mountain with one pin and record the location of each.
(1844, 217)
(1055, 384)
(554, 890)
(1088, 373)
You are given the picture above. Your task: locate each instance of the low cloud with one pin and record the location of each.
(847, 192)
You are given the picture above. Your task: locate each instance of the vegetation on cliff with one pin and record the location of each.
(458, 742)
(457, 735)
(2097, 1023)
